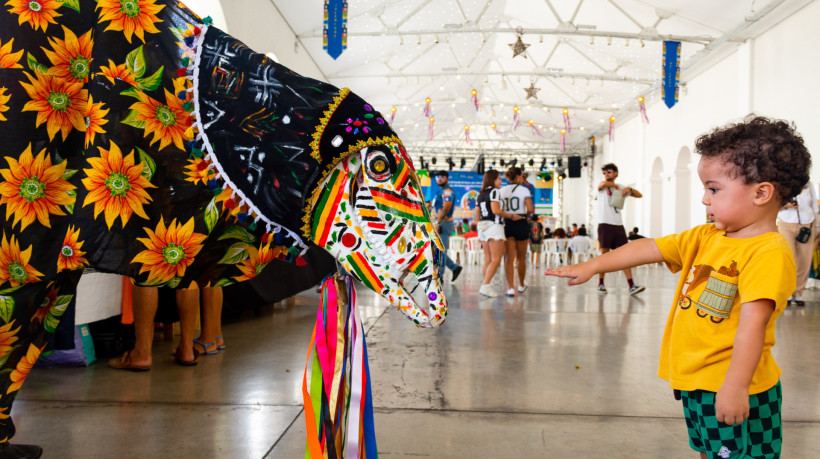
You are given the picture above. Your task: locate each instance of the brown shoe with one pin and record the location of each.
(124, 363)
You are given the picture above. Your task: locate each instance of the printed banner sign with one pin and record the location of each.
(467, 185)
(334, 39)
(671, 72)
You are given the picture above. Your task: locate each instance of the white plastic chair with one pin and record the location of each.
(582, 255)
(457, 250)
(475, 252)
(550, 251)
(561, 250)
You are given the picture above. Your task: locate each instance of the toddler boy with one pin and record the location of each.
(738, 273)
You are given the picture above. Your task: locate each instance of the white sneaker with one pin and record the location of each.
(636, 289)
(601, 288)
(510, 292)
(487, 290)
(521, 288)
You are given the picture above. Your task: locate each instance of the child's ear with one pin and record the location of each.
(764, 193)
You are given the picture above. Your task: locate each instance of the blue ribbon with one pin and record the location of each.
(671, 72)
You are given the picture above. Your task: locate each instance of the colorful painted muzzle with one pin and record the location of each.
(372, 218)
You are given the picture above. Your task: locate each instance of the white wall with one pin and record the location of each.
(785, 83)
(773, 75)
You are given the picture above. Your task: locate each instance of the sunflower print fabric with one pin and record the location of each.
(105, 162)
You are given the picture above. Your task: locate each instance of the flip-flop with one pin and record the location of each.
(185, 363)
(205, 347)
(124, 363)
(221, 347)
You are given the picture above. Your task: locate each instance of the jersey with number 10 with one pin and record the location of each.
(513, 197)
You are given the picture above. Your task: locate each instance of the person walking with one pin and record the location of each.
(517, 201)
(611, 232)
(488, 215)
(796, 216)
(443, 205)
(536, 238)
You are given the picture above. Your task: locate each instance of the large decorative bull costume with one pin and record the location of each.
(137, 139)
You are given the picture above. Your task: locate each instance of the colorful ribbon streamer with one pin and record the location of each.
(336, 386)
(563, 140)
(611, 128)
(474, 98)
(567, 124)
(467, 134)
(430, 128)
(495, 128)
(535, 129)
(642, 107)
(515, 118)
(427, 110)
(392, 114)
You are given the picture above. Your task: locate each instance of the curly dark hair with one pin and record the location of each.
(761, 150)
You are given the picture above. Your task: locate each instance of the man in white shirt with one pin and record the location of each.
(611, 232)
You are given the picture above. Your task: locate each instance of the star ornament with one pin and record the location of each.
(532, 91)
(519, 47)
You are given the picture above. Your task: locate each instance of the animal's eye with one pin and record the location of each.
(380, 165)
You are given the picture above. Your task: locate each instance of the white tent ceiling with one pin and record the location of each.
(593, 57)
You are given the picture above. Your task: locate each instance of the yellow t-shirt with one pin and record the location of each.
(720, 274)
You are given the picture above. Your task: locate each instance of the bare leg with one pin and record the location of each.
(211, 319)
(487, 258)
(521, 256)
(145, 300)
(509, 262)
(628, 272)
(496, 249)
(188, 308)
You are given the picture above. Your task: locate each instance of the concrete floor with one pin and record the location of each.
(558, 372)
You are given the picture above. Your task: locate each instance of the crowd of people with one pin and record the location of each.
(506, 224)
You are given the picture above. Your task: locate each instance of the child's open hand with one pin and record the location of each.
(578, 274)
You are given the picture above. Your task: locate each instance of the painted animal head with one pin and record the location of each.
(371, 216)
(313, 159)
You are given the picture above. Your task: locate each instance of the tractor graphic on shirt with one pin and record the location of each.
(715, 290)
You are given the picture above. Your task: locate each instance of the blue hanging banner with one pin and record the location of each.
(334, 37)
(671, 72)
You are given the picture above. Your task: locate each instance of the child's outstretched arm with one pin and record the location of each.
(732, 399)
(635, 253)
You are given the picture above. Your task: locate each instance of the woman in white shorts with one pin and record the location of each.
(488, 215)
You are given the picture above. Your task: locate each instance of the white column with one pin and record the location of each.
(744, 83)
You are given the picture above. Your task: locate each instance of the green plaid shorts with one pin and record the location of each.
(760, 436)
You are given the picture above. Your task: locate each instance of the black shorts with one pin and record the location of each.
(519, 229)
(611, 236)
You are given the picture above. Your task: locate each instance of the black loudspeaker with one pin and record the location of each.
(574, 166)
